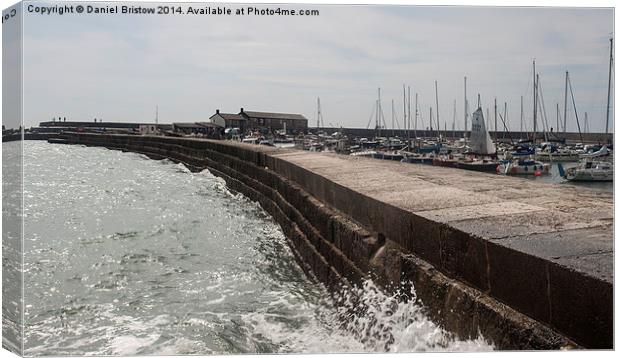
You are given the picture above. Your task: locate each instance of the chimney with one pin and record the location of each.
(217, 111)
(241, 109)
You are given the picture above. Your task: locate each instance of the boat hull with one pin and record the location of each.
(529, 169)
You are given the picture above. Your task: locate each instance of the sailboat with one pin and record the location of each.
(480, 140)
(480, 145)
(588, 170)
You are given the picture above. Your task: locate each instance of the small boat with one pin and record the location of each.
(523, 167)
(267, 143)
(479, 165)
(550, 153)
(251, 140)
(57, 141)
(379, 154)
(467, 163)
(588, 170)
(602, 152)
(364, 153)
(388, 155)
(416, 158)
(521, 150)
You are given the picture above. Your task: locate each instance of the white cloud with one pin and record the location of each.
(120, 67)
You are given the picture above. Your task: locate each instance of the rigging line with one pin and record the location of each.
(544, 110)
(505, 127)
(372, 114)
(382, 116)
(395, 119)
(529, 77)
(570, 86)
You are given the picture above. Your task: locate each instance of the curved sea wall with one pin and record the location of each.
(352, 219)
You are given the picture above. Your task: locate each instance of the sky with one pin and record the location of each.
(120, 67)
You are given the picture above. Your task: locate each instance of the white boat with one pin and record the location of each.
(560, 155)
(365, 153)
(523, 167)
(251, 140)
(603, 152)
(589, 170)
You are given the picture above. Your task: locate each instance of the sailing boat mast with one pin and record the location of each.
(454, 121)
(437, 107)
(535, 97)
(611, 59)
(565, 100)
(505, 119)
(557, 118)
(392, 117)
(495, 109)
(521, 135)
(319, 114)
(405, 122)
(379, 112)
(465, 106)
(409, 112)
(430, 119)
(415, 125)
(572, 95)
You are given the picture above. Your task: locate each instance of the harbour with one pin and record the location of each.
(358, 179)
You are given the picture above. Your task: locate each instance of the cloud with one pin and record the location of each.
(119, 67)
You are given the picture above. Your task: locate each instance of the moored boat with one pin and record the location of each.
(523, 167)
(589, 170)
(57, 141)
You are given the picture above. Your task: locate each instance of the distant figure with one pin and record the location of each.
(95, 120)
(64, 119)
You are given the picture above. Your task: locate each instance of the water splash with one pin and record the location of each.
(362, 319)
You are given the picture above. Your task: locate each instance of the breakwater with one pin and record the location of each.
(529, 266)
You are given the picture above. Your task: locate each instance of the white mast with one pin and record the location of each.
(535, 95)
(495, 111)
(611, 59)
(319, 114)
(437, 107)
(392, 117)
(409, 112)
(415, 126)
(465, 105)
(505, 119)
(521, 135)
(557, 118)
(565, 99)
(454, 121)
(405, 109)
